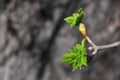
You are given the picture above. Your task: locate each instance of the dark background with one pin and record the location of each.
(34, 37)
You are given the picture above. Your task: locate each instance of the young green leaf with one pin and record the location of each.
(75, 19)
(69, 19)
(83, 42)
(76, 56)
(75, 65)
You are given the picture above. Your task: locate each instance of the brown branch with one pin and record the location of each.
(96, 48)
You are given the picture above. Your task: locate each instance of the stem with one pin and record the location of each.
(90, 41)
(93, 46)
(96, 48)
(115, 44)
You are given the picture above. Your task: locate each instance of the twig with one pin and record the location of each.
(96, 48)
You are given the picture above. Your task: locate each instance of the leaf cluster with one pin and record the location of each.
(75, 19)
(76, 56)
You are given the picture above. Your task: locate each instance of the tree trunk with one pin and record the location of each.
(34, 36)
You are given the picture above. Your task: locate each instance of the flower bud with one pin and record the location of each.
(82, 29)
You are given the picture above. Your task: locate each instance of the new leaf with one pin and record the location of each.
(76, 56)
(75, 19)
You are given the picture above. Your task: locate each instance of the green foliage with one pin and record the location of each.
(76, 56)
(75, 19)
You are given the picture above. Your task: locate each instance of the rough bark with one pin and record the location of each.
(33, 38)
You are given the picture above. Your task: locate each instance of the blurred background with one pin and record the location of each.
(34, 37)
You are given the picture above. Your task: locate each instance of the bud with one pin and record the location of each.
(82, 29)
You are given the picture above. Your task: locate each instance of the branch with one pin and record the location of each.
(96, 48)
(82, 29)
